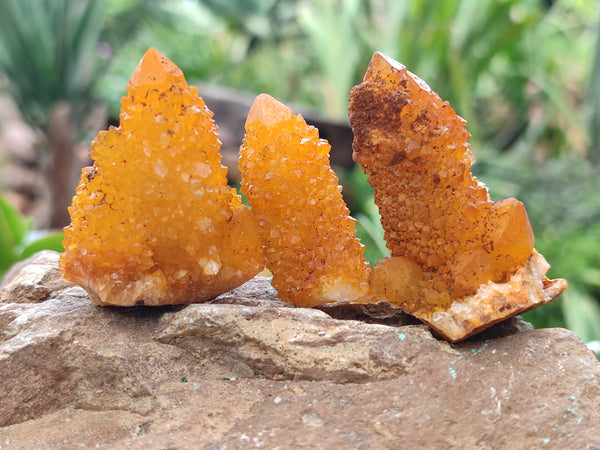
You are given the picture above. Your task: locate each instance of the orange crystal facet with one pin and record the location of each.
(433, 210)
(153, 221)
(310, 241)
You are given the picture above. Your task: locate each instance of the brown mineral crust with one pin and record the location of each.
(153, 221)
(433, 210)
(309, 238)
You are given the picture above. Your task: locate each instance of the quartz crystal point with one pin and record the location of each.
(455, 253)
(310, 240)
(153, 221)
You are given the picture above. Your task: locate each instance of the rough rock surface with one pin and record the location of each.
(246, 370)
(33, 280)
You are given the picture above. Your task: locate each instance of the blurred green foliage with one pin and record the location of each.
(18, 240)
(48, 53)
(524, 73)
(57, 50)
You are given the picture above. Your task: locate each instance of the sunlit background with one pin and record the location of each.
(524, 73)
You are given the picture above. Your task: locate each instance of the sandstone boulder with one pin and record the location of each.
(246, 370)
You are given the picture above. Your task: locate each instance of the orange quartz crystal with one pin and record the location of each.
(447, 238)
(310, 241)
(153, 221)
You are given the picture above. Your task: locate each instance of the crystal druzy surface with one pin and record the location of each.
(433, 210)
(460, 262)
(153, 220)
(309, 238)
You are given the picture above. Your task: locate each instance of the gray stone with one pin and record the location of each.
(294, 343)
(33, 280)
(246, 370)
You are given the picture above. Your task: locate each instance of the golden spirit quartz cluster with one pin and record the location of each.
(310, 241)
(153, 220)
(460, 262)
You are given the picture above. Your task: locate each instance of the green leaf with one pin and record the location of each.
(582, 314)
(52, 241)
(13, 228)
(17, 225)
(370, 232)
(8, 248)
